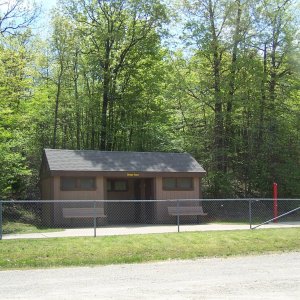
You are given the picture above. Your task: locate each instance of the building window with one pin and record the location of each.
(87, 183)
(77, 183)
(117, 185)
(178, 183)
(169, 183)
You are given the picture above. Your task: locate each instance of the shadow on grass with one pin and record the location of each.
(20, 227)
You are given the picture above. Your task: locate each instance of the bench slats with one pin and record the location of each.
(84, 212)
(186, 211)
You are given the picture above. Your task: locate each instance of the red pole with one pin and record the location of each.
(275, 202)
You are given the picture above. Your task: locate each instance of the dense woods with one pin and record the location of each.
(218, 79)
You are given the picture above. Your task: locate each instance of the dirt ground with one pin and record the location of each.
(275, 276)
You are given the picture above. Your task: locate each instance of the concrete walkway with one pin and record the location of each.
(141, 229)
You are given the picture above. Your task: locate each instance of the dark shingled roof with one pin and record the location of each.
(93, 160)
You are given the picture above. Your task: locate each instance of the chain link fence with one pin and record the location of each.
(60, 218)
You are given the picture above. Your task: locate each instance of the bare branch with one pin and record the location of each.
(17, 15)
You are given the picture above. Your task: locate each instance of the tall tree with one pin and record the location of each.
(113, 30)
(237, 70)
(277, 44)
(209, 30)
(14, 86)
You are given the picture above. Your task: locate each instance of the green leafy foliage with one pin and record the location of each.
(14, 90)
(104, 80)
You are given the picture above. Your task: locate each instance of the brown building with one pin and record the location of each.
(102, 175)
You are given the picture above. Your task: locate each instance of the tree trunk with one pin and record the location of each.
(54, 143)
(105, 98)
(232, 85)
(218, 127)
(262, 100)
(76, 96)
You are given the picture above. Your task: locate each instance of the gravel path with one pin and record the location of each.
(252, 277)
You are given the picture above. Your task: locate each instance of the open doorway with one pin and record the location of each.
(139, 210)
(143, 191)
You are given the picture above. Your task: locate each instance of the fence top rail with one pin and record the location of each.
(158, 200)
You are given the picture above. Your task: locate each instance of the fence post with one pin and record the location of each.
(177, 206)
(95, 219)
(0, 220)
(275, 202)
(250, 213)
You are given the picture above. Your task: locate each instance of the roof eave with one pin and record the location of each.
(125, 173)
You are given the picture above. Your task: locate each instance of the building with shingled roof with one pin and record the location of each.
(124, 177)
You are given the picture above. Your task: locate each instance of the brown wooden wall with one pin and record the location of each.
(96, 194)
(119, 212)
(162, 215)
(47, 194)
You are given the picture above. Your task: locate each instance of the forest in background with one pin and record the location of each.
(216, 78)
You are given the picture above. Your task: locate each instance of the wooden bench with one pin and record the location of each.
(186, 211)
(84, 212)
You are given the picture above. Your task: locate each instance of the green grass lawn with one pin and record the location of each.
(88, 251)
(20, 227)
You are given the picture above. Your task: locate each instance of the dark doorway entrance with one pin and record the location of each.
(144, 190)
(131, 205)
